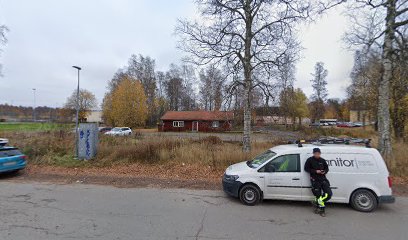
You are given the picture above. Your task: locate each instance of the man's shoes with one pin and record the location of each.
(322, 212)
(315, 206)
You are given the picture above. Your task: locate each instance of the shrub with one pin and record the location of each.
(57, 148)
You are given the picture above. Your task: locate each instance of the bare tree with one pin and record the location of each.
(399, 86)
(179, 87)
(248, 37)
(189, 80)
(161, 78)
(211, 88)
(319, 84)
(116, 79)
(87, 101)
(173, 88)
(286, 80)
(395, 17)
(363, 91)
(142, 68)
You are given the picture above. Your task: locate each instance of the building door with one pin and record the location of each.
(194, 126)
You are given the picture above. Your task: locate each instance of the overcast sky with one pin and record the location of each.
(47, 37)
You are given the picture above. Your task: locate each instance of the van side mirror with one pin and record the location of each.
(270, 168)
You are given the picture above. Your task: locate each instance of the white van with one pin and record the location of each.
(357, 175)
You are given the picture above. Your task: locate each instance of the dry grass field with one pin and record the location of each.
(207, 155)
(56, 148)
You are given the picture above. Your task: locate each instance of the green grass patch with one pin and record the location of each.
(29, 126)
(69, 161)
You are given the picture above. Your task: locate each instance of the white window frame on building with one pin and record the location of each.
(215, 124)
(178, 123)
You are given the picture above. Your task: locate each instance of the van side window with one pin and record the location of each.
(285, 163)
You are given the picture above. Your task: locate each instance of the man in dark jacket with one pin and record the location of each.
(318, 168)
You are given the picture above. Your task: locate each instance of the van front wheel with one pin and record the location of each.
(249, 195)
(363, 200)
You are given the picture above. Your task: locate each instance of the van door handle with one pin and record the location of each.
(295, 178)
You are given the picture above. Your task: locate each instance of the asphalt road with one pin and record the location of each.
(47, 211)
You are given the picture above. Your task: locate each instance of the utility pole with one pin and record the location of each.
(77, 115)
(34, 117)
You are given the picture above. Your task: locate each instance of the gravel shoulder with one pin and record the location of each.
(139, 176)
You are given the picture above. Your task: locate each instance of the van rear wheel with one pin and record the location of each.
(249, 195)
(363, 200)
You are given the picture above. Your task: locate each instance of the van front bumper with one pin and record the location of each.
(231, 187)
(386, 199)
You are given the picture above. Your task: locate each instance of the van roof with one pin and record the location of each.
(290, 147)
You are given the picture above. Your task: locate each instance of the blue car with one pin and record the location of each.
(11, 159)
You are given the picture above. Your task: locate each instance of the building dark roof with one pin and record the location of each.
(198, 115)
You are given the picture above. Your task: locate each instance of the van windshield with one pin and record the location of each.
(261, 159)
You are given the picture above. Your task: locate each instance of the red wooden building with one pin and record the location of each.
(196, 121)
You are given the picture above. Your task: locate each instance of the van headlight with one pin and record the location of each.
(230, 178)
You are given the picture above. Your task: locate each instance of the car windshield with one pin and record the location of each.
(261, 159)
(116, 129)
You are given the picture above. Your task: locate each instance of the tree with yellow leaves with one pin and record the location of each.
(294, 103)
(128, 105)
(107, 109)
(301, 109)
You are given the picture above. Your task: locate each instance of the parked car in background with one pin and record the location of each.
(328, 122)
(318, 124)
(342, 124)
(119, 131)
(358, 124)
(104, 129)
(345, 125)
(3, 142)
(11, 158)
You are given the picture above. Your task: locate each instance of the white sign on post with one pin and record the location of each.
(87, 140)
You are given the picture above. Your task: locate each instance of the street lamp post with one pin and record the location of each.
(34, 117)
(77, 115)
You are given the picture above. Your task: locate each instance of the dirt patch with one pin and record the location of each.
(121, 176)
(400, 190)
(117, 181)
(400, 186)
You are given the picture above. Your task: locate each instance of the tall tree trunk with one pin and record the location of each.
(384, 138)
(246, 138)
